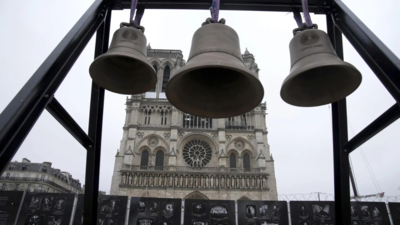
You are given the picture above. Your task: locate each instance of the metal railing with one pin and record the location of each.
(151, 99)
(196, 122)
(238, 125)
(164, 51)
(319, 196)
(39, 191)
(193, 169)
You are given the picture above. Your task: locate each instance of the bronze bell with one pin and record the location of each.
(215, 83)
(124, 69)
(317, 76)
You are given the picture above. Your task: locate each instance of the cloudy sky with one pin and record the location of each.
(300, 138)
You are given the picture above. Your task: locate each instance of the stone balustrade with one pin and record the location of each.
(128, 168)
(144, 177)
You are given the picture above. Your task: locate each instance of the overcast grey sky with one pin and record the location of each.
(300, 138)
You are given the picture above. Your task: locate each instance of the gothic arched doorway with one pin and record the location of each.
(196, 195)
(244, 198)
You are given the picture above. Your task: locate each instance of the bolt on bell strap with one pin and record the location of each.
(317, 76)
(215, 83)
(125, 69)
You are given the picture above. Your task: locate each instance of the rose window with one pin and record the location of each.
(197, 153)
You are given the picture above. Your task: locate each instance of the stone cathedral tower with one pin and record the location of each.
(167, 153)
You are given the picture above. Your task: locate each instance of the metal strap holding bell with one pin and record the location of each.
(303, 28)
(132, 24)
(209, 21)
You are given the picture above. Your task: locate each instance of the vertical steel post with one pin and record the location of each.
(340, 137)
(21, 114)
(95, 131)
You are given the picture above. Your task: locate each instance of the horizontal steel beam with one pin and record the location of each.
(62, 116)
(18, 118)
(379, 58)
(383, 121)
(316, 6)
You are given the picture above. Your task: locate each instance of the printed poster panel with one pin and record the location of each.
(46, 209)
(263, 213)
(209, 212)
(111, 210)
(9, 205)
(369, 213)
(395, 212)
(312, 212)
(78, 217)
(155, 211)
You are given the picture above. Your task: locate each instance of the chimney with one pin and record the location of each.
(47, 164)
(25, 160)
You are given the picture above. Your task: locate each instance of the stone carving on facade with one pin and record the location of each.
(222, 155)
(151, 156)
(228, 137)
(140, 135)
(136, 152)
(214, 135)
(272, 158)
(129, 150)
(128, 109)
(197, 153)
(172, 152)
(260, 156)
(195, 181)
(155, 108)
(179, 61)
(181, 134)
(239, 144)
(152, 141)
(163, 108)
(167, 135)
(250, 137)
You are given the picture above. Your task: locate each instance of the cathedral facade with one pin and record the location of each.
(167, 153)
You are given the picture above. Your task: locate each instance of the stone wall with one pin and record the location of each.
(169, 130)
(217, 194)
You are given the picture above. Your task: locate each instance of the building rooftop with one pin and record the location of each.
(45, 167)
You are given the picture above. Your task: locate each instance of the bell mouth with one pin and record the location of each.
(215, 91)
(320, 85)
(122, 73)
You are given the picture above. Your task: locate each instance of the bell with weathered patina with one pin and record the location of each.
(215, 83)
(124, 69)
(317, 76)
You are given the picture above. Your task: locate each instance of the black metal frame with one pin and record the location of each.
(23, 111)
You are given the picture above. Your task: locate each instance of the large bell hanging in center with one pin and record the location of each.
(317, 76)
(124, 69)
(215, 83)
